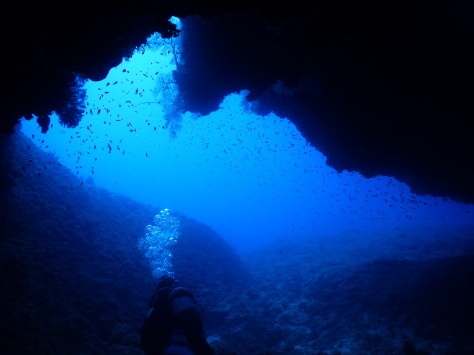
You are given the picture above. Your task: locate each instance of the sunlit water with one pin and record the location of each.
(254, 179)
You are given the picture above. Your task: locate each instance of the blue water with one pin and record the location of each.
(253, 179)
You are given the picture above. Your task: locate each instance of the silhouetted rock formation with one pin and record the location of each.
(380, 89)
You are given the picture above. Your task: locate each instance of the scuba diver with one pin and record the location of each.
(173, 325)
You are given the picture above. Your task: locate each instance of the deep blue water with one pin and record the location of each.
(253, 179)
(343, 263)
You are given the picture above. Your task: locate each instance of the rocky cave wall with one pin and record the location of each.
(378, 88)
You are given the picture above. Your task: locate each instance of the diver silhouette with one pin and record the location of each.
(173, 325)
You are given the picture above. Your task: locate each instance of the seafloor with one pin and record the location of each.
(73, 280)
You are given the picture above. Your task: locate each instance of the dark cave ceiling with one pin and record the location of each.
(380, 88)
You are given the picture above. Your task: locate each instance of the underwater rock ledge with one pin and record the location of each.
(73, 280)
